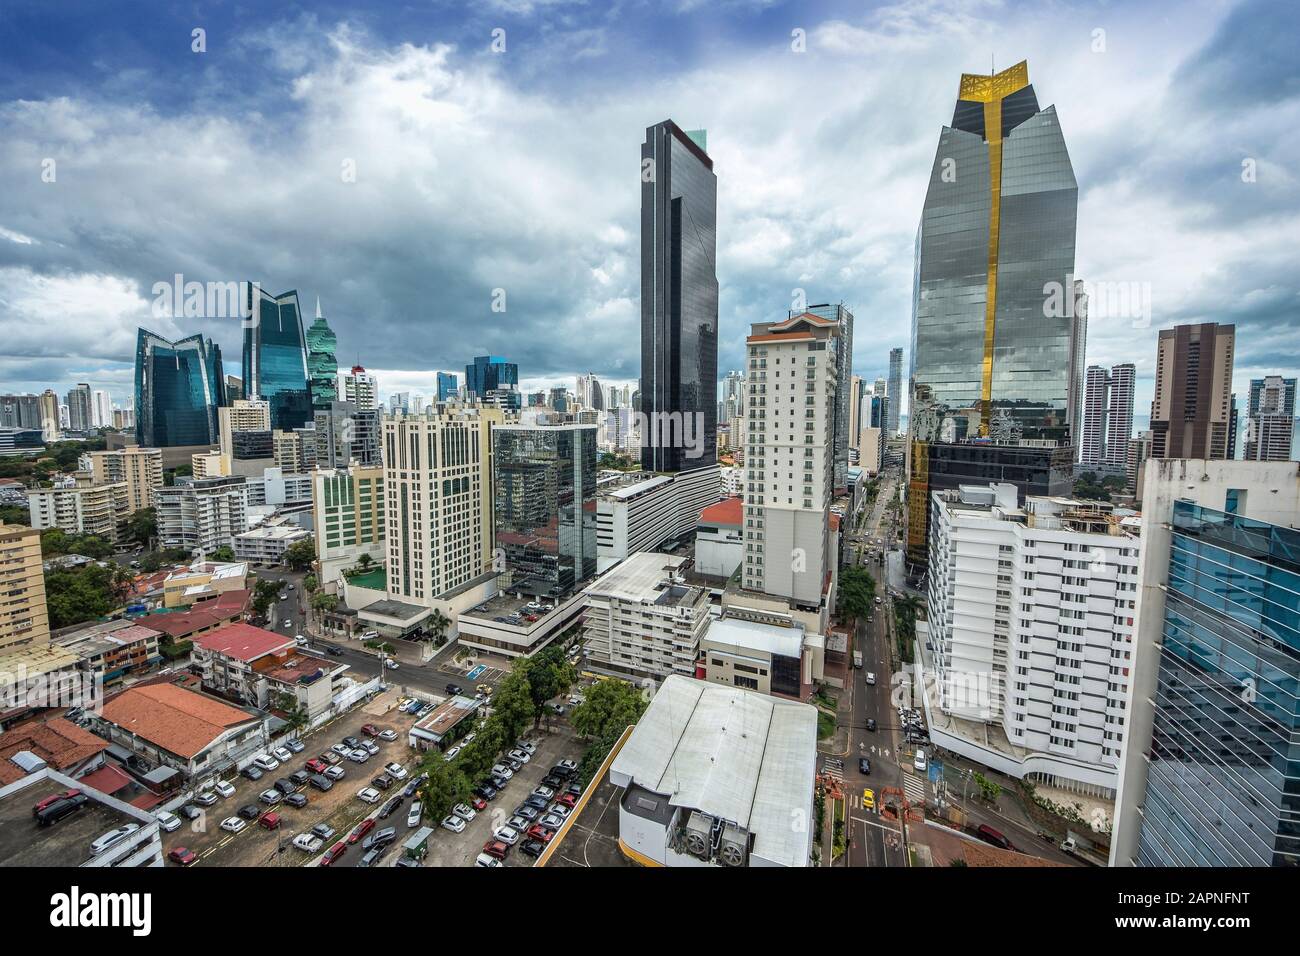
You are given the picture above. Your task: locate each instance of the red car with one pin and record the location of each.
(53, 799)
(182, 856)
(316, 765)
(270, 821)
(364, 827)
(568, 800)
(333, 853)
(478, 803)
(495, 848)
(539, 832)
(370, 730)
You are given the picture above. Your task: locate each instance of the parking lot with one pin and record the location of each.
(338, 807)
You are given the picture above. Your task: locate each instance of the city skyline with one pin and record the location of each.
(767, 245)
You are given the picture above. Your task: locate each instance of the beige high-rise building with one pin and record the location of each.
(140, 469)
(789, 460)
(84, 509)
(438, 491)
(23, 616)
(210, 464)
(348, 507)
(1191, 412)
(288, 451)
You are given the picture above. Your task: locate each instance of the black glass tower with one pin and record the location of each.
(679, 300)
(178, 387)
(275, 357)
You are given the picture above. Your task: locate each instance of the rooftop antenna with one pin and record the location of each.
(318, 307)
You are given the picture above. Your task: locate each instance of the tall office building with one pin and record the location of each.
(360, 388)
(1096, 401)
(994, 317)
(1234, 414)
(895, 390)
(438, 512)
(544, 504)
(348, 515)
(856, 393)
(492, 380)
(1270, 423)
(275, 357)
(1119, 421)
(448, 386)
(1193, 399)
(843, 376)
(345, 434)
(322, 366)
(178, 388)
(679, 300)
(790, 456)
(1211, 763)
(80, 411)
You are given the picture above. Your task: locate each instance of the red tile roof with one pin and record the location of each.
(173, 718)
(107, 779)
(227, 607)
(243, 642)
(724, 512)
(60, 743)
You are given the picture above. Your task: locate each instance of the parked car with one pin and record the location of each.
(370, 747)
(190, 812)
(552, 781)
(322, 830)
(451, 753)
(417, 810)
(517, 822)
(341, 749)
(560, 810)
(463, 811)
(570, 765)
(536, 800)
(395, 770)
(379, 838)
(333, 853)
(478, 803)
(60, 809)
(532, 848)
(307, 842)
(269, 821)
(282, 754)
(486, 859)
(233, 824)
(551, 820)
(168, 821)
(546, 793)
(316, 765)
(387, 734)
(567, 800)
(521, 755)
(206, 799)
(382, 782)
(331, 758)
(527, 746)
(539, 832)
(352, 742)
(453, 823)
(453, 689)
(271, 797)
(295, 746)
(252, 772)
(360, 830)
(336, 773)
(514, 765)
(265, 762)
(299, 777)
(297, 800)
(285, 786)
(503, 771)
(390, 807)
(182, 856)
(496, 849)
(53, 799)
(368, 795)
(506, 834)
(370, 730)
(321, 782)
(250, 811)
(359, 755)
(224, 788)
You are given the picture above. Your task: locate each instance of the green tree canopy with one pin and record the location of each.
(301, 554)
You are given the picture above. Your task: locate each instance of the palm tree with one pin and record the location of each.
(438, 624)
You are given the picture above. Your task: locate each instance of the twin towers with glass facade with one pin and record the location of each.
(180, 384)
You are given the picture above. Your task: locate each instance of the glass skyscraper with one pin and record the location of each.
(679, 298)
(492, 377)
(275, 357)
(1223, 768)
(544, 489)
(447, 385)
(322, 365)
(178, 387)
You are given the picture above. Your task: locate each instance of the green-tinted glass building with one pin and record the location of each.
(275, 357)
(322, 365)
(178, 387)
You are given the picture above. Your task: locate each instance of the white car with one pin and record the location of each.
(871, 679)
(523, 756)
(527, 746)
(450, 755)
(271, 797)
(305, 841)
(282, 754)
(335, 773)
(484, 860)
(519, 823)
(453, 823)
(559, 810)
(388, 734)
(224, 788)
(113, 837)
(546, 793)
(396, 771)
(468, 737)
(368, 795)
(464, 811)
(341, 749)
(233, 824)
(413, 815)
(507, 835)
(168, 821)
(391, 664)
(359, 755)
(206, 799)
(370, 746)
(287, 624)
(263, 762)
(568, 764)
(918, 762)
(502, 771)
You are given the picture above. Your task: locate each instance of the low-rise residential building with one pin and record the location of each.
(110, 651)
(714, 776)
(767, 655)
(642, 618)
(1030, 633)
(719, 540)
(449, 721)
(54, 742)
(267, 543)
(165, 725)
(80, 508)
(202, 581)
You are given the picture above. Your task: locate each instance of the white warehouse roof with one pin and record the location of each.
(731, 753)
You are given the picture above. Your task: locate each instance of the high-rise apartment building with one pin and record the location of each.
(201, 514)
(1210, 760)
(360, 388)
(1270, 423)
(1190, 414)
(1096, 402)
(995, 347)
(895, 390)
(83, 508)
(1119, 421)
(348, 512)
(101, 409)
(1031, 619)
(322, 365)
(544, 504)
(790, 456)
(1107, 417)
(178, 388)
(140, 469)
(679, 300)
(24, 620)
(438, 508)
(20, 411)
(275, 357)
(844, 394)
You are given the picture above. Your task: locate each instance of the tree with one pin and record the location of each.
(223, 553)
(264, 593)
(857, 591)
(438, 624)
(295, 714)
(142, 526)
(365, 561)
(549, 674)
(310, 584)
(74, 595)
(322, 602)
(610, 705)
(512, 705)
(15, 514)
(447, 785)
(301, 554)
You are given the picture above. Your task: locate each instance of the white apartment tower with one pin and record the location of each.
(789, 456)
(360, 388)
(1092, 440)
(437, 483)
(1031, 618)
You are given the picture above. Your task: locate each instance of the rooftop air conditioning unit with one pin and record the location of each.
(695, 837)
(734, 848)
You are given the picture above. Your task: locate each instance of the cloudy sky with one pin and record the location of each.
(480, 168)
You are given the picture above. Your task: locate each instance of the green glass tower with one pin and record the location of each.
(322, 366)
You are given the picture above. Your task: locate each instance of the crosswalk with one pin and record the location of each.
(913, 788)
(834, 769)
